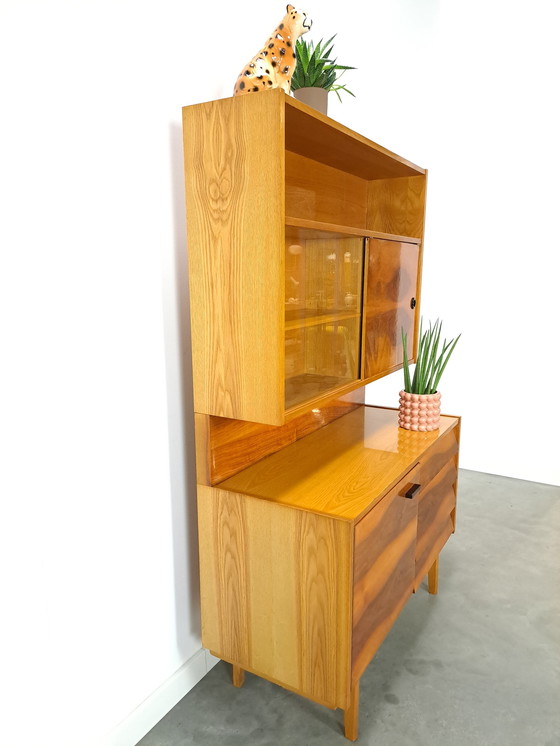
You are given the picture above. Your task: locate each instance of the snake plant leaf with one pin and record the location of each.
(418, 356)
(406, 367)
(431, 359)
(445, 363)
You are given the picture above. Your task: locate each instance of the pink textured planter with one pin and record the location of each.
(419, 411)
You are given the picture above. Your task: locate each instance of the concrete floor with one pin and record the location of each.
(477, 665)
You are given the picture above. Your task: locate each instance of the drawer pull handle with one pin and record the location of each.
(411, 491)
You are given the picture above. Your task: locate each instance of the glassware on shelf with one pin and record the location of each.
(322, 316)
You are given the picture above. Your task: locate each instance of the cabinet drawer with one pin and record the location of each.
(384, 557)
(436, 518)
(443, 451)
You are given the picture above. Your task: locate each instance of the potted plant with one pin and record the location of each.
(316, 74)
(419, 404)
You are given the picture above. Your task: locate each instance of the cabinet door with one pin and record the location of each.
(323, 319)
(384, 553)
(390, 303)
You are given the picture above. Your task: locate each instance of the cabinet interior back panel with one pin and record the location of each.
(332, 143)
(397, 206)
(318, 192)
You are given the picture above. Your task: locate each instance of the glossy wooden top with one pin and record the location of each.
(342, 469)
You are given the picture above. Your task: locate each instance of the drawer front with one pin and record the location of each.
(436, 501)
(436, 518)
(444, 450)
(384, 567)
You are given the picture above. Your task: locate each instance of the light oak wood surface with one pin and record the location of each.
(237, 676)
(352, 713)
(433, 578)
(325, 175)
(318, 515)
(305, 598)
(319, 192)
(339, 469)
(236, 256)
(225, 447)
(316, 136)
(287, 619)
(318, 229)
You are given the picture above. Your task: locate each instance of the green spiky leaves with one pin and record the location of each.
(430, 361)
(316, 69)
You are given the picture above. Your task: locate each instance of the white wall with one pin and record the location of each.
(99, 625)
(471, 94)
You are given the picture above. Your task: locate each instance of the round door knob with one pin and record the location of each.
(413, 302)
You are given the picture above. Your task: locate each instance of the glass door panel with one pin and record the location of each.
(323, 301)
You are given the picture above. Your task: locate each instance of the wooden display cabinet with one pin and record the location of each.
(264, 173)
(318, 515)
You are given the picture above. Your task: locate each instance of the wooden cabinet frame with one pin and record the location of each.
(317, 521)
(254, 165)
(308, 556)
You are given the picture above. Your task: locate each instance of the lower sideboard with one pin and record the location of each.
(308, 556)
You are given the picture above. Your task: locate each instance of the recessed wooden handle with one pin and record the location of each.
(411, 491)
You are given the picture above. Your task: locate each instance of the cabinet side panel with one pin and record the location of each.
(224, 584)
(234, 179)
(290, 572)
(397, 206)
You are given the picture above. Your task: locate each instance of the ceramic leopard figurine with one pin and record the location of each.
(274, 65)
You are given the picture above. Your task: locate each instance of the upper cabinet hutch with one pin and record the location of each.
(305, 250)
(318, 516)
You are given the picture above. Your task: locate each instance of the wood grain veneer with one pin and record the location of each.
(308, 547)
(435, 522)
(308, 556)
(397, 205)
(323, 193)
(236, 255)
(383, 573)
(323, 139)
(341, 469)
(392, 281)
(226, 447)
(287, 620)
(322, 229)
(438, 474)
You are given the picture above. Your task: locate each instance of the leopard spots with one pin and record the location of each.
(273, 67)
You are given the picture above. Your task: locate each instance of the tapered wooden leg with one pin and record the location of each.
(433, 577)
(352, 713)
(238, 676)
